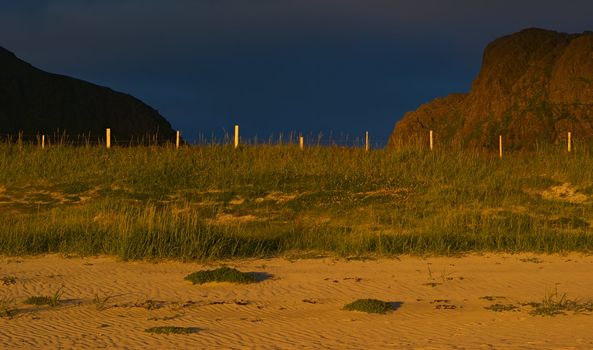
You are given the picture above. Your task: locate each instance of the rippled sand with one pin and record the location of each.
(298, 304)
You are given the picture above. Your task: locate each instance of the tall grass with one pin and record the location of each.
(209, 202)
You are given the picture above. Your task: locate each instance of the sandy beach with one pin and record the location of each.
(440, 303)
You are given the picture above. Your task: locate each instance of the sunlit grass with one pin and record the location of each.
(211, 202)
(53, 300)
(371, 306)
(222, 274)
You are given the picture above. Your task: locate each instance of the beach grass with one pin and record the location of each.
(53, 300)
(222, 274)
(502, 307)
(554, 304)
(7, 307)
(8, 280)
(172, 330)
(372, 306)
(214, 202)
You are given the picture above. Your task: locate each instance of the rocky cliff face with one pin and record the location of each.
(533, 87)
(33, 101)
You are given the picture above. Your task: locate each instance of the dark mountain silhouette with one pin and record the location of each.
(36, 102)
(533, 87)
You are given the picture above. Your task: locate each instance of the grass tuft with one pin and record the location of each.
(172, 330)
(53, 300)
(101, 302)
(502, 307)
(7, 307)
(373, 306)
(558, 304)
(38, 300)
(8, 280)
(222, 274)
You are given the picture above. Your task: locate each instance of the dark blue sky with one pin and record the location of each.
(276, 65)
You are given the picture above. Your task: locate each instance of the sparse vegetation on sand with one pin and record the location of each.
(558, 304)
(53, 300)
(172, 330)
(372, 306)
(502, 307)
(222, 274)
(215, 202)
(553, 304)
(101, 302)
(8, 280)
(7, 307)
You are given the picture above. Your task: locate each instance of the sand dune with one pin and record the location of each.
(298, 305)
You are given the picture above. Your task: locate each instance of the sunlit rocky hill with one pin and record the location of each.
(534, 86)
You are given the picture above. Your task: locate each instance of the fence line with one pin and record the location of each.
(319, 140)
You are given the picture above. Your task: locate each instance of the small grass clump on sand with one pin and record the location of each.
(172, 330)
(52, 301)
(222, 274)
(502, 307)
(101, 302)
(7, 307)
(38, 300)
(372, 306)
(8, 280)
(555, 304)
(492, 297)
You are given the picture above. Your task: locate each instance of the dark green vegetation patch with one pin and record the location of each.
(222, 274)
(502, 307)
(38, 300)
(172, 330)
(53, 300)
(372, 306)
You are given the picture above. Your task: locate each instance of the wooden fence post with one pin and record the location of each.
(236, 136)
(500, 146)
(366, 142)
(108, 138)
(569, 142)
(177, 139)
(431, 143)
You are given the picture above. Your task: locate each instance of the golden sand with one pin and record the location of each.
(298, 304)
